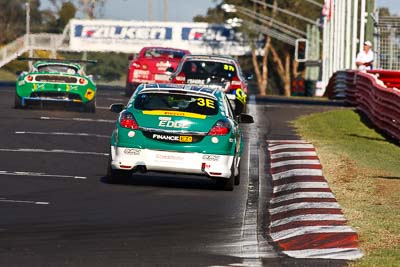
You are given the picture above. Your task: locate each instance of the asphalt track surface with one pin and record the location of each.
(56, 209)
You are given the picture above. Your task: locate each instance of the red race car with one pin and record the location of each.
(150, 66)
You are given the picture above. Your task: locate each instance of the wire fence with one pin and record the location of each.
(388, 40)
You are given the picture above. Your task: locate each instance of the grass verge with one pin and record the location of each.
(363, 171)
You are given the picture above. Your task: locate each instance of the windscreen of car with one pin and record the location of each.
(57, 68)
(163, 53)
(204, 69)
(177, 102)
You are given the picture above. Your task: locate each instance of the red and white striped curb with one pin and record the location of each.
(306, 219)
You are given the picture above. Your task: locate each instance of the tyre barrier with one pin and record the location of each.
(375, 93)
(305, 219)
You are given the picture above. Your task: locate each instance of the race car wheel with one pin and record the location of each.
(90, 106)
(237, 176)
(130, 88)
(116, 176)
(239, 107)
(17, 102)
(227, 184)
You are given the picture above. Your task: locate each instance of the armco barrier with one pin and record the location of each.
(375, 93)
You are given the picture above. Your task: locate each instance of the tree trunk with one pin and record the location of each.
(283, 70)
(262, 71)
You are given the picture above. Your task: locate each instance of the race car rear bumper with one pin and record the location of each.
(214, 166)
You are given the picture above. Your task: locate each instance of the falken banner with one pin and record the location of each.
(131, 36)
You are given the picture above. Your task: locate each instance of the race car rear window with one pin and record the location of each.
(57, 68)
(201, 68)
(176, 102)
(163, 53)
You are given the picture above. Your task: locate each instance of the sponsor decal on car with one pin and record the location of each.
(169, 157)
(174, 113)
(174, 124)
(241, 95)
(173, 138)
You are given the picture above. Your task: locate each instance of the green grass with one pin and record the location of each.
(363, 171)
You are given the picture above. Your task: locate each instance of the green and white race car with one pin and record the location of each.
(177, 128)
(51, 80)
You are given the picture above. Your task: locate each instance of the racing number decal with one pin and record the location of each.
(241, 95)
(205, 102)
(229, 68)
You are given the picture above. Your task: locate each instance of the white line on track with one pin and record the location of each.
(310, 230)
(295, 162)
(63, 134)
(298, 195)
(40, 174)
(327, 253)
(77, 119)
(61, 151)
(25, 201)
(305, 205)
(309, 217)
(293, 154)
(297, 172)
(298, 185)
(290, 146)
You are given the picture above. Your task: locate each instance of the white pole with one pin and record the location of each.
(336, 52)
(341, 17)
(362, 24)
(28, 30)
(325, 52)
(332, 40)
(354, 38)
(348, 42)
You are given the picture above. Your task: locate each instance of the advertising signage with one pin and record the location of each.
(131, 36)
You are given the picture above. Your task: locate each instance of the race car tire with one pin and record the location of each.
(90, 106)
(227, 184)
(237, 176)
(116, 176)
(17, 102)
(130, 88)
(239, 107)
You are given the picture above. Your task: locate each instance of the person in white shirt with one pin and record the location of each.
(365, 58)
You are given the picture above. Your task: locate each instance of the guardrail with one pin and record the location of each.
(375, 93)
(40, 41)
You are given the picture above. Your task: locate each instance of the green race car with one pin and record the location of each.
(56, 81)
(177, 128)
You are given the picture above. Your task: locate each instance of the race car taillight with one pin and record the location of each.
(127, 120)
(180, 78)
(136, 65)
(29, 78)
(221, 127)
(235, 84)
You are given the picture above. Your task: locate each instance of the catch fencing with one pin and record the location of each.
(375, 93)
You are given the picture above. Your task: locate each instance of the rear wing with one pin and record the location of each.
(58, 60)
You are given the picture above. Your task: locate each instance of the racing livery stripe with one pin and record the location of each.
(306, 221)
(174, 113)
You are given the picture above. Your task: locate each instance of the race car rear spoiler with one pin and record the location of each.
(58, 60)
